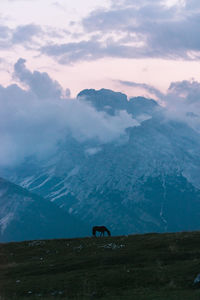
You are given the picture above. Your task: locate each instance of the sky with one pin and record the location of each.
(50, 50)
(102, 43)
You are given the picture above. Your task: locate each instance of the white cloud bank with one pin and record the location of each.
(181, 102)
(34, 119)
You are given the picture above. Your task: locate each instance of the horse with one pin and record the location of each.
(101, 229)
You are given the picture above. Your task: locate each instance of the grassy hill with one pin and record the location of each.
(142, 267)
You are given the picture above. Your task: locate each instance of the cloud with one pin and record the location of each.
(38, 117)
(33, 120)
(152, 90)
(71, 52)
(88, 50)
(189, 90)
(4, 32)
(5, 35)
(39, 83)
(130, 29)
(180, 103)
(21, 35)
(20, 0)
(127, 29)
(59, 6)
(24, 34)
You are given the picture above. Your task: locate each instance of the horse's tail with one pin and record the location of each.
(108, 231)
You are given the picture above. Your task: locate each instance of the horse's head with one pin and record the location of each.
(94, 231)
(108, 231)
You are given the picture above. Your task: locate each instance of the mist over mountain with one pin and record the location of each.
(110, 102)
(130, 164)
(146, 181)
(36, 118)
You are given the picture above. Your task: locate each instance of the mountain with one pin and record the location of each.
(110, 102)
(104, 100)
(147, 182)
(25, 216)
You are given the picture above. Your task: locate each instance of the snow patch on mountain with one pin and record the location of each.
(27, 181)
(73, 172)
(93, 151)
(4, 222)
(59, 195)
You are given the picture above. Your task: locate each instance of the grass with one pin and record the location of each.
(142, 267)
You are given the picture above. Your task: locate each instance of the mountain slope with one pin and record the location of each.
(25, 216)
(147, 182)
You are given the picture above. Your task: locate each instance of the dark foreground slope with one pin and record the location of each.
(152, 266)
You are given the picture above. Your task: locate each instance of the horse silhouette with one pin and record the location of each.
(101, 229)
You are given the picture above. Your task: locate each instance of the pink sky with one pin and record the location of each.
(97, 44)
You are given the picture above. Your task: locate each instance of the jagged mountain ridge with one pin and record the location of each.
(117, 184)
(110, 101)
(26, 216)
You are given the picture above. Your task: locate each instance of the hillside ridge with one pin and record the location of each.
(148, 266)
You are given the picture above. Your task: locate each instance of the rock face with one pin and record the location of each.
(196, 281)
(25, 216)
(105, 100)
(148, 182)
(110, 102)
